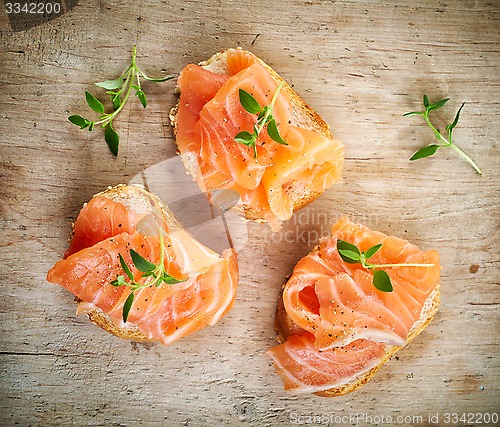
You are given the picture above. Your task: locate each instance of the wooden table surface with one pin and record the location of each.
(360, 65)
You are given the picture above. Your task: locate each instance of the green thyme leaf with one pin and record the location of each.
(141, 263)
(159, 80)
(352, 255)
(431, 149)
(169, 280)
(119, 91)
(382, 281)
(112, 139)
(425, 152)
(437, 105)
(413, 113)
(117, 101)
(142, 98)
(426, 101)
(126, 268)
(155, 274)
(111, 84)
(373, 250)
(127, 306)
(349, 256)
(140, 94)
(79, 121)
(249, 103)
(94, 103)
(245, 137)
(119, 281)
(451, 126)
(272, 131)
(264, 117)
(353, 252)
(342, 244)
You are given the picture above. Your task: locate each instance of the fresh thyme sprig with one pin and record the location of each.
(119, 90)
(445, 142)
(381, 280)
(155, 272)
(265, 117)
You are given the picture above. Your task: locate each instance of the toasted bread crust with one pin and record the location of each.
(142, 201)
(302, 114)
(98, 318)
(286, 327)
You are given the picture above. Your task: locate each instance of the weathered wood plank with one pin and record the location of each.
(361, 65)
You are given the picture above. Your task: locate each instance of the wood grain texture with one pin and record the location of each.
(360, 65)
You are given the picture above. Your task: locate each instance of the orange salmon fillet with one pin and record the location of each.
(99, 219)
(337, 307)
(165, 313)
(305, 369)
(209, 117)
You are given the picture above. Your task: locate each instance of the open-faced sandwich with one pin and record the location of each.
(239, 126)
(350, 304)
(138, 274)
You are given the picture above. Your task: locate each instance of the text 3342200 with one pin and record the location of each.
(33, 8)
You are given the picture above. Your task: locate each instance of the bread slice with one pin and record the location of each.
(302, 115)
(286, 327)
(141, 201)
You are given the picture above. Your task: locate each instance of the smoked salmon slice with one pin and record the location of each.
(305, 369)
(336, 309)
(99, 219)
(107, 229)
(210, 115)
